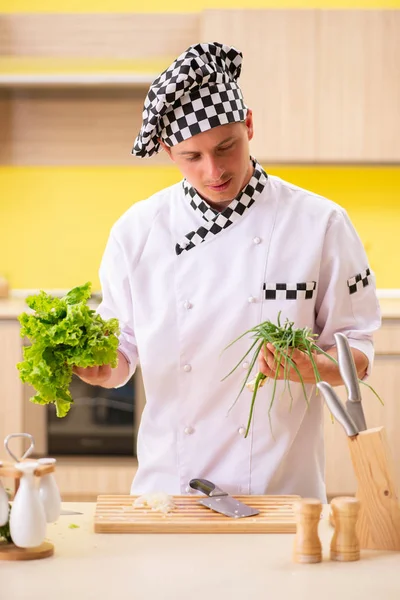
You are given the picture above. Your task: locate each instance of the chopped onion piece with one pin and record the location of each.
(158, 502)
(252, 384)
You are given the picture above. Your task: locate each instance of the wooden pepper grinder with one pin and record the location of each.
(307, 545)
(345, 545)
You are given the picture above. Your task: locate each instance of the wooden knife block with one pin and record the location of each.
(378, 524)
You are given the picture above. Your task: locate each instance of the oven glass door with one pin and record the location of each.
(100, 422)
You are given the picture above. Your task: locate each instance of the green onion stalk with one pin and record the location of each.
(284, 338)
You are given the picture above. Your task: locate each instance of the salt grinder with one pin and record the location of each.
(307, 545)
(345, 544)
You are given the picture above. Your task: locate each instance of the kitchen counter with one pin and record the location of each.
(390, 308)
(89, 566)
(11, 308)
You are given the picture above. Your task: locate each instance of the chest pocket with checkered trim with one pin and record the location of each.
(289, 291)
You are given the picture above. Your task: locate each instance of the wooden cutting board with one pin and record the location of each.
(116, 514)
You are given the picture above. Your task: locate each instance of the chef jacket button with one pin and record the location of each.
(241, 430)
(188, 430)
(187, 368)
(257, 240)
(187, 305)
(251, 299)
(245, 365)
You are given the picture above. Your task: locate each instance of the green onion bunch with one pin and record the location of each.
(284, 337)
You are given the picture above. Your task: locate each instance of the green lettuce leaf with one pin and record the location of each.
(5, 535)
(65, 332)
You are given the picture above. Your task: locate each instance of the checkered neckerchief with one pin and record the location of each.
(214, 221)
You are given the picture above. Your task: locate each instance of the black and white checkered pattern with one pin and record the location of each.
(196, 93)
(214, 221)
(359, 281)
(289, 291)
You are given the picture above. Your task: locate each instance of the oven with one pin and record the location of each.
(101, 422)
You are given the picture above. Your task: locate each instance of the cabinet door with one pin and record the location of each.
(324, 85)
(278, 76)
(11, 401)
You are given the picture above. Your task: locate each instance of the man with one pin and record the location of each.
(201, 262)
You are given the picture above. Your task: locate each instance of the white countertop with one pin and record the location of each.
(89, 566)
(11, 308)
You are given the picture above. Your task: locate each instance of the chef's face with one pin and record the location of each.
(216, 162)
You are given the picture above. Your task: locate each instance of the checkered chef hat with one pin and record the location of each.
(197, 92)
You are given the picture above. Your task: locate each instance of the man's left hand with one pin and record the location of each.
(271, 362)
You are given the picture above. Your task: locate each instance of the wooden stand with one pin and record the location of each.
(10, 551)
(8, 470)
(378, 525)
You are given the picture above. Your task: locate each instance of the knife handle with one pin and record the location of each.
(337, 409)
(347, 368)
(207, 487)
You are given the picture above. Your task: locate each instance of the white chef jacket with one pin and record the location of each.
(177, 314)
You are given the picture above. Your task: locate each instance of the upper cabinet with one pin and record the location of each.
(72, 86)
(324, 85)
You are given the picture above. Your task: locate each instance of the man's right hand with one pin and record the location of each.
(105, 375)
(94, 375)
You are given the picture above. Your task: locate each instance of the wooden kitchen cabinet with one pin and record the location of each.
(11, 394)
(324, 85)
(84, 478)
(58, 92)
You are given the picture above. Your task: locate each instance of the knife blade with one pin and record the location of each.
(69, 512)
(221, 501)
(348, 372)
(337, 409)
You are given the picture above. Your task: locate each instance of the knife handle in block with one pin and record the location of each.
(307, 545)
(345, 546)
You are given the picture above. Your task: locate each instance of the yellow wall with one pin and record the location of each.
(180, 5)
(54, 221)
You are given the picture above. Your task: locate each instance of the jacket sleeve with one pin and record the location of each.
(346, 297)
(117, 299)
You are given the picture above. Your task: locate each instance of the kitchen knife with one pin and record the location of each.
(69, 512)
(337, 409)
(349, 375)
(220, 501)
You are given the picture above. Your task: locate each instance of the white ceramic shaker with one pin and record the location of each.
(27, 517)
(3, 504)
(49, 492)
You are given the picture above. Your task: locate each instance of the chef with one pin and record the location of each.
(199, 263)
